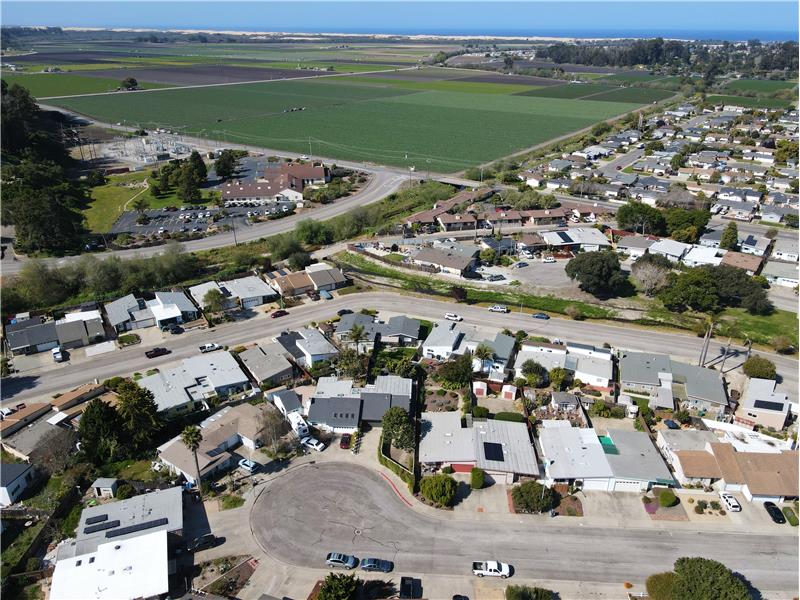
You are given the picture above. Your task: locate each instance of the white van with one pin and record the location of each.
(298, 423)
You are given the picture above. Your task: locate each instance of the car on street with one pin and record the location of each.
(491, 568)
(731, 503)
(157, 352)
(453, 317)
(341, 561)
(377, 564)
(313, 443)
(344, 311)
(279, 313)
(175, 329)
(248, 465)
(519, 265)
(774, 513)
(495, 277)
(671, 424)
(204, 542)
(210, 347)
(58, 354)
(500, 308)
(541, 315)
(548, 259)
(344, 442)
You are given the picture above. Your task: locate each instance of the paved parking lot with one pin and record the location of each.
(195, 220)
(539, 274)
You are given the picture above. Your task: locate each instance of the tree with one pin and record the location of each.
(98, 431)
(456, 373)
(488, 256)
(299, 260)
(458, 293)
(313, 233)
(687, 235)
(532, 497)
(129, 83)
(730, 237)
(477, 478)
(598, 273)
(558, 377)
(339, 586)
(350, 364)
(637, 216)
(214, 301)
(356, 335)
(272, 424)
(534, 373)
(140, 204)
(225, 165)
(52, 452)
(705, 579)
(483, 353)
(192, 438)
(526, 592)
(397, 428)
(198, 167)
(692, 290)
(660, 586)
(439, 489)
(188, 185)
(759, 367)
(138, 414)
(651, 277)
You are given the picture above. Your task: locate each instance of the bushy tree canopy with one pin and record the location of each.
(598, 273)
(440, 489)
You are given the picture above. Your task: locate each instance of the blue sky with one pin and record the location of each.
(646, 18)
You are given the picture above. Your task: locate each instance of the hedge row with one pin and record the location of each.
(396, 468)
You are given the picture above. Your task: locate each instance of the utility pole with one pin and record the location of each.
(724, 358)
(310, 155)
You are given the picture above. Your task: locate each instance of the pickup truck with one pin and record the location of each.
(155, 352)
(491, 568)
(209, 347)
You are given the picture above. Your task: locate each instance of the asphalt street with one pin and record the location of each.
(340, 507)
(65, 376)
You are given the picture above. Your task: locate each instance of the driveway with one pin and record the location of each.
(308, 512)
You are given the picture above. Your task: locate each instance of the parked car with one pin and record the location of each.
(313, 443)
(671, 424)
(548, 259)
(175, 329)
(491, 568)
(501, 308)
(204, 542)
(377, 564)
(157, 352)
(210, 347)
(409, 588)
(344, 311)
(58, 355)
(519, 265)
(496, 277)
(774, 513)
(344, 442)
(248, 465)
(542, 316)
(453, 317)
(341, 561)
(279, 313)
(731, 503)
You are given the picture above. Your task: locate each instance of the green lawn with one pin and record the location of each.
(108, 200)
(229, 501)
(748, 102)
(761, 86)
(394, 257)
(441, 130)
(760, 329)
(43, 85)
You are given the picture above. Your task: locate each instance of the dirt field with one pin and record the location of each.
(74, 58)
(514, 79)
(201, 74)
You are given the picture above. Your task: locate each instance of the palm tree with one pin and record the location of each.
(191, 438)
(357, 335)
(483, 353)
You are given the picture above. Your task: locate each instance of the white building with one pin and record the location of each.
(442, 341)
(699, 256)
(671, 249)
(593, 366)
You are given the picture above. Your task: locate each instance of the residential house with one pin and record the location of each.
(761, 406)
(288, 402)
(747, 262)
(502, 347)
(80, 329)
(249, 291)
(427, 220)
(559, 165)
(338, 405)
(14, 480)
(199, 292)
(442, 341)
(699, 256)
(503, 246)
(307, 346)
(325, 277)
(502, 449)
(446, 260)
(78, 395)
(30, 336)
(672, 250)
(619, 461)
(531, 242)
(781, 273)
(634, 246)
(711, 239)
(755, 245)
(785, 250)
(771, 213)
(732, 209)
(545, 216)
(21, 416)
(267, 365)
(587, 239)
(188, 386)
(457, 222)
(167, 308)
(121, 314)
(564, 401)
(397, 331)
(291, 284)
(593, 366)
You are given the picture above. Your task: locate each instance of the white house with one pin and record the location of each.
(634, 246)
(14, 480)
(593, 366)
(703, 255)
(442, 341)
(781, 273)
(785, 250)
(671, 249)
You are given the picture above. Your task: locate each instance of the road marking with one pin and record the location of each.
(396, 491)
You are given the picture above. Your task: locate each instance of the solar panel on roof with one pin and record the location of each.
(96, 519)
(101, 527)
(564, 237)
(137, 527)
(767, 405)
(493, 451)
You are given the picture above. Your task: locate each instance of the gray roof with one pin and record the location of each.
(265, 362)
(69, 331)
(373, 399)
(573, 453)
(161, 504)
(313, 342)
(289, 399)
(36, 333)
(780, 269)
(9, 472)
(179, 299)
(104, 482)
(443, 258)
(335, 412)
(700, 383)
(249, 287)
(643, 368)
(119, 311)
(636, 457)
(502, 346)
(565, 398)
(687, 439)
(635, 241)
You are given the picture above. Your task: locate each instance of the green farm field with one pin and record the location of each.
(760, 86)
(748, 102)
(42, 85)
(571, 91)
(601, 93)
(443, 131)
(446, 85)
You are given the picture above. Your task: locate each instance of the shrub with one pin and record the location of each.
(480, 412)
(699, 509)
(33, 564)
(339, 586)
(125, 491)
(760, 367)
(691, 500)
(790, 516)
(704, 579)
(439, 489)
(702, 504)
(477, 478)
(715, 505)
(510, 416)
(525, 592)
(722, 512)
(783, 345)
(573, 312)
(660, 585)
(448, 470)
(667, 498)
(532, 497)
(441, 392)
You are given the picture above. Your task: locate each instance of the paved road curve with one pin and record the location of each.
(339, 507)
(60, 378)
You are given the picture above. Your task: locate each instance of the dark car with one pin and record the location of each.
(377, 564)
(344, 311)
(344, 443)
(175, 329)
(279, 313)
(410, 588)
(204, 542)
(157, 352)
(671, 424)
(774, 513)
(542, 316)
